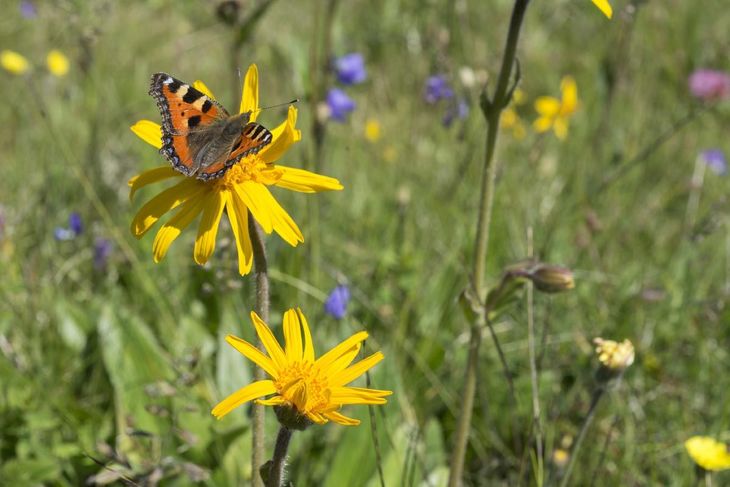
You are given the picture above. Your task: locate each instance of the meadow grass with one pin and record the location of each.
(116, 370)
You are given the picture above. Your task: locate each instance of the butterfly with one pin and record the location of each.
(200, 138)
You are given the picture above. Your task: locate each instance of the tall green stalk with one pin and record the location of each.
(492, 111)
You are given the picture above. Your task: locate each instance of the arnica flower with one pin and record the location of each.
(57, 63)
(350, 69)
(555, 113)
(604, 7)
(336, 303)
(709, 84)
(457, 110)
(243, 188)
(615, 357)
(13, 62)
(708, 453)
(102, 251)
(75, 228)
(314, 389)
(339, 104)
(715, 160)
(437, 88)
(372, 130)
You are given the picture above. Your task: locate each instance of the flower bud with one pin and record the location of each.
(550, 278)
(292, 419)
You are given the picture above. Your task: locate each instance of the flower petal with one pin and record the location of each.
(328, 358)
(569, 95)
(344, 360)
(341, 419)
(174, 227)
(203, 88)
(547, 106)
(148, 131)
(283, 136)
(250, 96)
(561, 128)
(245, 394)
(292, 336)
(167, 200)
(149, 177)
(358, 395)
(269, 340)
(284, 225)
(238, 217)
(274, 401)
(308, 343)
(305, 181)
(604, 7)
(254, 195)
(208, 227)
(543, 124)
(355, 371)
(253, 354)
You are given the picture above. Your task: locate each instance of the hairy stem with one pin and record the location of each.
(262, 309)
(276, 466)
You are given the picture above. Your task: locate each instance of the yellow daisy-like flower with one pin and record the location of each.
(57, 63)
(708, 453)
(313, 388)
(555, 113)
(13, 62)
(604, 7)
(614, 355)
(243, 188)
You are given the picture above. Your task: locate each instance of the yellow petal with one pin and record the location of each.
(269, 341)
(547, 106)
(306, 182)
(326, 360)
(344, 360)
(148, 131)
(355, 371)
(561, 128)
(341, 419)
(292, 336)
(308, 343)
(569, 94)
(13, 62)
(283, 223)
(149, 177)
(250, 96)
(203, 88)
(57, 63)
(254, 196)
(542, 124)
(208, 227)
(604, 7)
(167, 200)
(243, 395)
(358, 395)
(316, 417)
(238, 217)
(274, 401)
(173, 228)
(253, 354)
(283, 136)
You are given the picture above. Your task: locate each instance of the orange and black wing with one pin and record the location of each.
(254, 137)
(183, 110)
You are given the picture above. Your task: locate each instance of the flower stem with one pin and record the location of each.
(597, 395)
(535, 386)
(276, 467)
(262, 309)
(482, 239)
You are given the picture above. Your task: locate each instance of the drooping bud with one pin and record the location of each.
(550, 278)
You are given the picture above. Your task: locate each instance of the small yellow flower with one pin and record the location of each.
(604, 7)
(555, 113)
(242, 189)
(613, 355)
(57, 63)
(13, 62)
(708, 453)
(313, 388)
(372, 130)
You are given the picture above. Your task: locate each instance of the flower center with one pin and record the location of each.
(302, 384)
(250, 168)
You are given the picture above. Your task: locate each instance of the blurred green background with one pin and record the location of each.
(113, 368)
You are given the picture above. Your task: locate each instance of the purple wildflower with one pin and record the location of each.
(458, 110)
(28, 10)
(102, 250)
(709, 84)
(350, 69)
(339, 104)
(336, 304)
(62, 234)
(715, 160)
(437, 88)
(75, 224)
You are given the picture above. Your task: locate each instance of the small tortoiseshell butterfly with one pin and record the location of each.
(199, 137)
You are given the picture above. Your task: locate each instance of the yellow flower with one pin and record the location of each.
(555, 113)
(708, 453)
(13, 62)
(313, 388)
(372, 130)
(604, 7)
(57, 63)
(613, 355)
(242, 189)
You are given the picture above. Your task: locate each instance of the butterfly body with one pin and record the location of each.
(199, 137)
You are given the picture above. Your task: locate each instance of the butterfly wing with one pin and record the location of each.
(253, 138)
(184, 109)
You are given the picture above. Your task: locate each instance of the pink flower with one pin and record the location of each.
(709, 85)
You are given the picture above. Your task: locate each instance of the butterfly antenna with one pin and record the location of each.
(295, 100)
